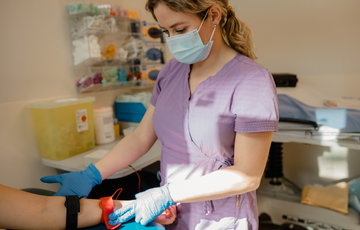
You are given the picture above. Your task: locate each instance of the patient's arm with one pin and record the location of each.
(23, 210)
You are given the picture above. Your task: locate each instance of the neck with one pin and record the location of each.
(220, 54)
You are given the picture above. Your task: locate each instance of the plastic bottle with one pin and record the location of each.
(104, 125)
(116, 127)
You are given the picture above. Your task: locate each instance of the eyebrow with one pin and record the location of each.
(174, 25)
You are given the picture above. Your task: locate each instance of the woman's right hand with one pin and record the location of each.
(76, 183)
(166, 218)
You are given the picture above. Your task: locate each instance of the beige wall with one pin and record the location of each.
(318, 40)
(36, 64)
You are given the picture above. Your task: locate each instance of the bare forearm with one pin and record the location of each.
(89, 215)
(22, 210)
(216, 185)
(128, 150)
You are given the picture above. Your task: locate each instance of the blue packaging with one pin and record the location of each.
(129, 111)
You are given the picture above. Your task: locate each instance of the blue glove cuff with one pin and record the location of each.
(91, 169)
(170, 200)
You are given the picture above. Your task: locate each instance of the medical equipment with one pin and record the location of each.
(80, 8)
(151, 32)
(134, 48)
(107, 206)
(284, 211)
(72, 204)
(110, 75)
(108, 52)
(122, 54)
(305, 119)
(64, 127)
(343, 119)
(154, 53)
(104, 125)
(121, 74)
(151, 72)
(285, 80)
(84, 82)
(86, 47)
(94, 24)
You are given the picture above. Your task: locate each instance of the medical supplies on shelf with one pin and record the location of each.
(132, 107)
(64, 127)
(110, 49)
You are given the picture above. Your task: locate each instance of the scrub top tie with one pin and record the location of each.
(219, 162)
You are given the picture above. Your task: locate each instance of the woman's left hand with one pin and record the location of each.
(148, 205)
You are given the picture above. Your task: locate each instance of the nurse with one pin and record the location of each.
(214, 110)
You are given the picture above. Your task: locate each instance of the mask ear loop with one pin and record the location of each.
(212, 34)
(203, 19)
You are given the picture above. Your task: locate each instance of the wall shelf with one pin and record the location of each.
(307, 139)
(111, 52)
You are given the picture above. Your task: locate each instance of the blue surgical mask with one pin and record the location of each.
(188, 48)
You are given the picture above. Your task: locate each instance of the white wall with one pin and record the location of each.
(318, 40)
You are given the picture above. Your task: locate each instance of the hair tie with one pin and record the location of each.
(230, 11)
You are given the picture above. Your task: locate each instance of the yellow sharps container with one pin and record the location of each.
(64, 127)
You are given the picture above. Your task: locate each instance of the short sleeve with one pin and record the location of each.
(157, 88)
(255, 103)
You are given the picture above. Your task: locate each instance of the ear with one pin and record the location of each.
(215, 14)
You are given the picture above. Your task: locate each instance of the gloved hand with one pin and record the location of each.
(76, 183)
(147, 206)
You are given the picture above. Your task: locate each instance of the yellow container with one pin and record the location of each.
(64, 127)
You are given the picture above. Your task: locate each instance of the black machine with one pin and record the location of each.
(285, 79)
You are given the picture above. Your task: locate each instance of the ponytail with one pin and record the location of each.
(238, 35)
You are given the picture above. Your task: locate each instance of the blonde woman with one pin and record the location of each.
(214, 110)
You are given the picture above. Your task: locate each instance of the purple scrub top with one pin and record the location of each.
(197, 133)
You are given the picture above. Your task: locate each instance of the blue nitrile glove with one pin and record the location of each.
(147, 206)
(76, 183)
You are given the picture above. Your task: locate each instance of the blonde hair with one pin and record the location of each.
(234, 31)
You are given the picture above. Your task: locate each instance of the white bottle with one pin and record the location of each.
(104, 125)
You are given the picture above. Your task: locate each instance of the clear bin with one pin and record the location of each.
(64, 127)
